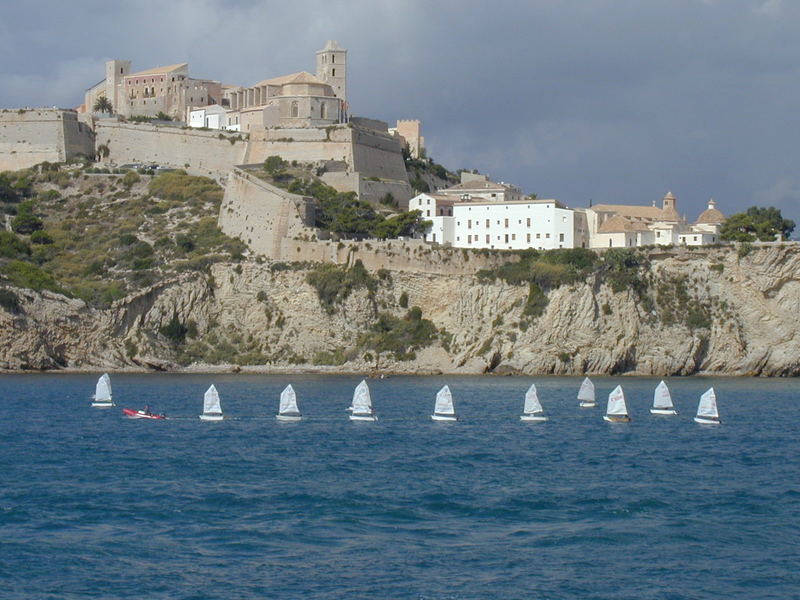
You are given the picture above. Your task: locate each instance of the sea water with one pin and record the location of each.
(93, 505)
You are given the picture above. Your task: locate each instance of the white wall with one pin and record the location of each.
(513, 226)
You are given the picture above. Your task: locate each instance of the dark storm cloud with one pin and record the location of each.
(610, 100)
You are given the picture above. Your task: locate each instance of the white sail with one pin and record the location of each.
(586, 393)
(444, 402)
(102, 392)
(362, 403)
(616, 403)
(662, 399)
(288, 405)
(211, 404)
(707, 409)
(532, 404)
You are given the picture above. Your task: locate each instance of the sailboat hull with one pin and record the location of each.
(289, 417)
(102, 404)
(436, 417)
(585, 404)
(140, 414)
(533, 418)
(358, 417)
(211, 417)
(663, 411)
(706, 421)
(617, 418)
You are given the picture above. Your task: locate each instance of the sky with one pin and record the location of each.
(603, 101)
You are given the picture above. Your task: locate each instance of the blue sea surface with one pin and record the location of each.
(93, 505)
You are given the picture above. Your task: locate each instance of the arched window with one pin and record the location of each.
(333, 72)
(295, 109)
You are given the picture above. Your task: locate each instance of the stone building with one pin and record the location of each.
(168, 90)
(624, 225)
(409, 132)
(297, 100)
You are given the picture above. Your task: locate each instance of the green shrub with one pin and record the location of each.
(12, 247)
(10, 301)
(41, 237)
(536, 303)
(26, 220)
(403, 302)
(26, 275)
(399, 337)
(718, 267)
(334, 283)
(175, 331)
(744, 249)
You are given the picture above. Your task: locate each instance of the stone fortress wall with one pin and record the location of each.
(279, 226)
(209, 153)
(34, 135)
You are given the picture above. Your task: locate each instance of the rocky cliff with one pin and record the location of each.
(712, 311)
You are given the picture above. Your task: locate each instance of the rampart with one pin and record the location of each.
(31, 136)
(211, 153)
(277, 225)
(261, 215)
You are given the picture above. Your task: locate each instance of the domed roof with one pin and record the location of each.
(711, 215)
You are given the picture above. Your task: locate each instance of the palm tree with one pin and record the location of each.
(102, 105)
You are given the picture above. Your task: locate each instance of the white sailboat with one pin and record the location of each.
(617, 411)
(288, 411)
(707, 412)
(586, 394)
(102, 393)
(662, 401)
(532, 410)
(212, 411)
(362, 404)
(443, 410)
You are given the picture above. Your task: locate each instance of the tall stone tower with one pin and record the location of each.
(332, 68)
(116, 70)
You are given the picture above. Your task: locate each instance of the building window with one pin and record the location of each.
(529, 221)
(506, 238)
(487, 223)
(295, 109)
(449, 212)
(333, 72)
(469, 224)
(487, 238)
(429, 213)
(538, 236)
(323, 111)
(513, 236)
(529, 238)
(609, 243)
(506, 223)
(560, 237)
(547, 236)
(333, 58)
(469, 239)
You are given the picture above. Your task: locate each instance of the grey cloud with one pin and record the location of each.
(604, 99)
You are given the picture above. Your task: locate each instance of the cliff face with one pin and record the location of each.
(707, 311)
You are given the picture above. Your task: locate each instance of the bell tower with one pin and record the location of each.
(332, 68)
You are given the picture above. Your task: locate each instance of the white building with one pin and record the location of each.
(210, 117)
(514, 225)
(627, 226)
(438, 209)
(483, 189)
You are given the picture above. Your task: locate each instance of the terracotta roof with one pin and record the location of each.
(619, 224)
(159, 70)
(477, 186)
(301, 77)
(711, 215)
(670, 214)
(652, 213)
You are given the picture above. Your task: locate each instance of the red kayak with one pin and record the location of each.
(140, 414)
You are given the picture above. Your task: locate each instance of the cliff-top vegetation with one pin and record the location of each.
(100, 237)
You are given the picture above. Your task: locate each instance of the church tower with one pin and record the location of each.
(332, 69)
(116, 70)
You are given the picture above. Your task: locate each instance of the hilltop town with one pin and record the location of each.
(163, 116)
(177, 222)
